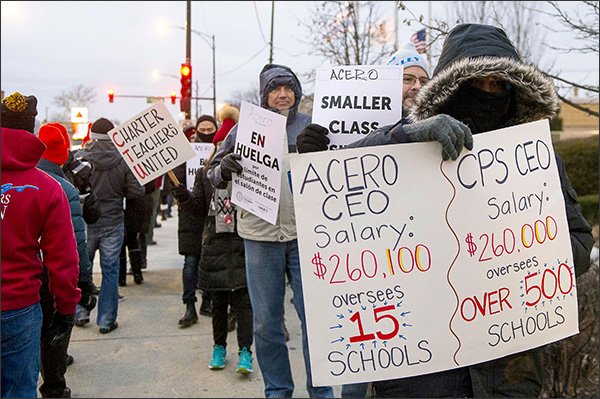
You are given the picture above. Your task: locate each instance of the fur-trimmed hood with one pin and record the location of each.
(228, 112)
(475, 51)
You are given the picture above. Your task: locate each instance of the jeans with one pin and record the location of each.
(189, 275)
(357, 390)
(267, 264)
(21, 330)
(108, 240)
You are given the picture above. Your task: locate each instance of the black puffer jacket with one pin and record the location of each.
(190, 225)
(472, 51)
(222, 263)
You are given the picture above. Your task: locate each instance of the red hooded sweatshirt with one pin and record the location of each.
(35, 219)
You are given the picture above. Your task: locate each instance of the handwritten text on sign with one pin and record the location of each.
(351, 101)
(151, 143)
(192, 166)
(260, 138)
(411, 273)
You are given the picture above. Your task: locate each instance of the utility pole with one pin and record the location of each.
(197, 95)
(188, 41)
(214, 78)
(272, 23)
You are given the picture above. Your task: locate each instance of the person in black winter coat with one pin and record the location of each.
(222, 266)
(133, 219)
(480, 84)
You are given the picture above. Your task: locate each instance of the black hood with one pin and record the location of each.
(472, 51)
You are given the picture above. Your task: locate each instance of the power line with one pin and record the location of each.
(259, 24)
(251, 58)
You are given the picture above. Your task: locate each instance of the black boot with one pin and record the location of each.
(135, 258)
(190, 316)
(206, 306)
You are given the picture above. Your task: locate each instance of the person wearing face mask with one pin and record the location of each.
(480, 84)
(271, 251)
(206, 128)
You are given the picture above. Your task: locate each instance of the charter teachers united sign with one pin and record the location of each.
(410, 273)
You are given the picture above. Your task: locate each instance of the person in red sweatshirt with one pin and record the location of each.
(36, 233)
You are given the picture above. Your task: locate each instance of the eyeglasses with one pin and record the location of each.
(410, 80)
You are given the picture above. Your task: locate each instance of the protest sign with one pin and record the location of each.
(351, 101)
(260, 139)
(407, 273)
(151, 143)
(192, 166)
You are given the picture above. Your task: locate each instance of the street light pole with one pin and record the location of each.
(188, 41)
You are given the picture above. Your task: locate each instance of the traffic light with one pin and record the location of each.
(173, 96)
(111, 95)
(186, 88)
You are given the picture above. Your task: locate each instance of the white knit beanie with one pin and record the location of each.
(408, 57)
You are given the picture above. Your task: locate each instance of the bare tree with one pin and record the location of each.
(251, 95)
(519, 20)
(77, 96)
(583, 24)
(343, 32)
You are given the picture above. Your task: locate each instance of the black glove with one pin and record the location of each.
(88, 300)
(449, 132)
(181, 193)
(230, 165)
(312, 138)
(91, 208)
(60, 328)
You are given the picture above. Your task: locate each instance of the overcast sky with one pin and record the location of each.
(48, 47)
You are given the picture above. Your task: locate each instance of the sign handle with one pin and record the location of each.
(174, 178)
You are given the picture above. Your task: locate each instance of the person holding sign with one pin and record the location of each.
(272, 250)
(480, 84)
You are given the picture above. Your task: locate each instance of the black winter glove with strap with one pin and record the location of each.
(181, 193)
(450, 133)
(60, 328)
(230, 164)
(312, 138)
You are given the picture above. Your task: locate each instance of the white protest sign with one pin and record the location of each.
(351, 101)
(411, 273)
(192, 166)
(260, 139)
(151, 143)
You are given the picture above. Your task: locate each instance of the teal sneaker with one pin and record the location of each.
(245, 363)
(217, 362)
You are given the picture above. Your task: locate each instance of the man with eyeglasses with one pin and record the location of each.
(416, 74)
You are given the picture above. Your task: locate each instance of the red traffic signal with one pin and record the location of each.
(186, 87)
(111, 95)
(173, 96)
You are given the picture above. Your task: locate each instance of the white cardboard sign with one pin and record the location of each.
(351, 101)
(410, 273)
(260, 139)
(151, 143)
(192, 166)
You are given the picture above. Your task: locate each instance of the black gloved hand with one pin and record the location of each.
(91, 208)
(449, 132)
(60, 328)
(230, 164)
(312, 138)
(181, 193)
(88, 300)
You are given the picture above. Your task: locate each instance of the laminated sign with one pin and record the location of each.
(413, 265)
(151, 143)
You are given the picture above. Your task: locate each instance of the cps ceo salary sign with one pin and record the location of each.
(151, 143)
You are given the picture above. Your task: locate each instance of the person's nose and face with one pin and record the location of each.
(414, 79)
(206, 128)
(281, 98)
(489, 84)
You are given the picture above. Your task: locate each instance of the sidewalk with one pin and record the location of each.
(150, 356)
